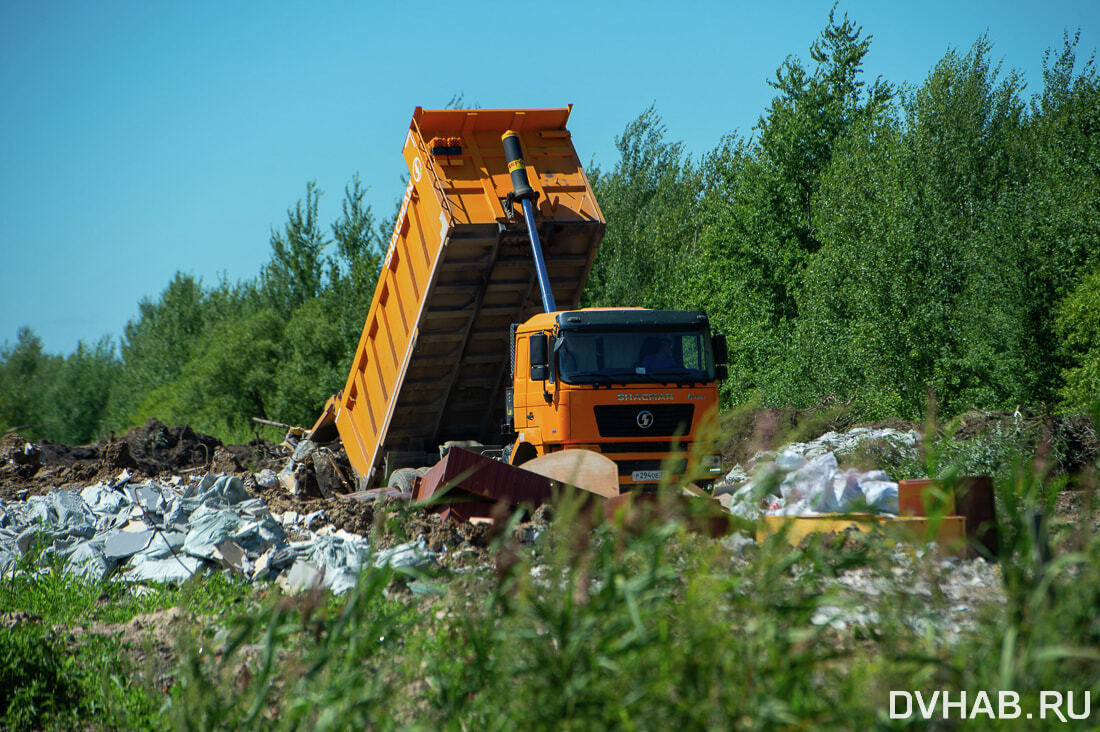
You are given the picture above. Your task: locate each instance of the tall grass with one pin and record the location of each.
(642, 624)
(635, 623)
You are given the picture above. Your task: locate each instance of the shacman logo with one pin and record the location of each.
(989, 705)
(645, 397)
(645, 419)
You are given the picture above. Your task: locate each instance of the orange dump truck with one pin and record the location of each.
(465, 341)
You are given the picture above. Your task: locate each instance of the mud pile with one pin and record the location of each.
(150, 451)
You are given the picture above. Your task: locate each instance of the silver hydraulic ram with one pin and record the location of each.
(522, 192)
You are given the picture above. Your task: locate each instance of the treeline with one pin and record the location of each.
(880, 246)
(865, 243)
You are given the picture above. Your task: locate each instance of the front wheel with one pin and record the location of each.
(403, 479)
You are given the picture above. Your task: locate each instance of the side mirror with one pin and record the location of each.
(718, 345)
(540, 360)
(721, 373)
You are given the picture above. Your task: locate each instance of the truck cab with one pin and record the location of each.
(639, 386)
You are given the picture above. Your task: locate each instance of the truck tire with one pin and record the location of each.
(402, 479)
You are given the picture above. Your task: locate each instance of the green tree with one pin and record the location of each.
(760, 222)
(910, 290)
(24, 371)
(354, 273)
(296, 270)
(1078, 324)
(230, 379)
(156, 345)
(649, 202)
(75, 399)
(813, 111)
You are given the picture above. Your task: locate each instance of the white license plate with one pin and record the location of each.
(639, 475)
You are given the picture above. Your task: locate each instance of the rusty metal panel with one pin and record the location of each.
(488, 479)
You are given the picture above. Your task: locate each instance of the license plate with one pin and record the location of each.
(639, 475)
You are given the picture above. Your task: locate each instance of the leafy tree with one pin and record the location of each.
(359, 248)
(313, 361)
(230, 380)
(812, 112)
(649, 202)
(1078, 323)
(760, 226)
(156, 346)
(24, 371)
(909, 290)
(75, 399)
(296, 270)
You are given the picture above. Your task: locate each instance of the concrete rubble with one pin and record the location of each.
(946, 591)
(311, 470)
(168, 531)
(804, 478)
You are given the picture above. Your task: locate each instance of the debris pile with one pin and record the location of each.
(168, 531)
(804, 478)
(794, 486)
(315, 470)
(148, 451)
(843, 444)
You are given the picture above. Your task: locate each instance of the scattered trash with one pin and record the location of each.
(846, 443)
(808, 487)
(803, 478)
(167, 531)
(267, 478)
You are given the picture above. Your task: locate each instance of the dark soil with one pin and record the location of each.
(155, 450)
(150, 451)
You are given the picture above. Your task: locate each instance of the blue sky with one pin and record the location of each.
(139, 139)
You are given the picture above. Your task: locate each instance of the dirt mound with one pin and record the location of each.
(1067, 443)
(148, 451)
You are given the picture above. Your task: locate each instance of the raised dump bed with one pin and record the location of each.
(432, 362)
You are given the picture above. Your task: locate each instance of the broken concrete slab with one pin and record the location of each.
(88, 561)
(164, 544)
(303, 576)
(165, 531)
(267, 478)
(122, 544)
(170, 570)
(232, 557)
(209, 527)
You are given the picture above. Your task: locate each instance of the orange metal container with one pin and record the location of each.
(432, 361)
(921, 496)
(949, 531)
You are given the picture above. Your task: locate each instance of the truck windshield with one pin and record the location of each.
(666, 357)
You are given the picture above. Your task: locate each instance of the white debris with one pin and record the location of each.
(807, 488)
(166, 532)
(803, 478)
(409, 554)
(267, 478)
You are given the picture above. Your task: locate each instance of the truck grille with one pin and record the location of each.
(628, 420)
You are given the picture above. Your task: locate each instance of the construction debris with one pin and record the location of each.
(842, 444)
(168, 531)
(803, 478)
(314, 470)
